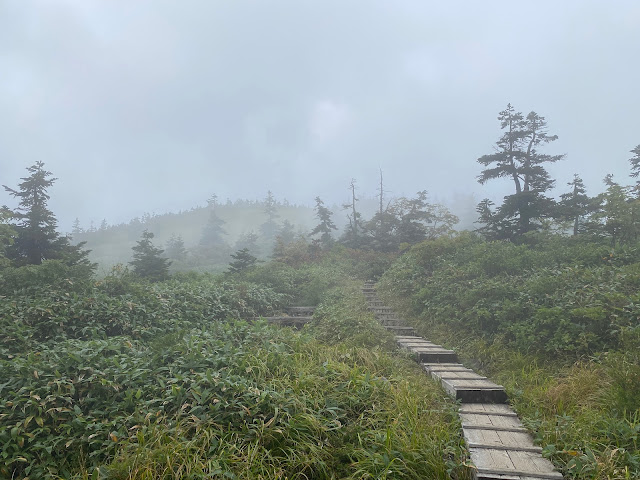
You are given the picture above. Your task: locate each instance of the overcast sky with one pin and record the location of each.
(152, 106)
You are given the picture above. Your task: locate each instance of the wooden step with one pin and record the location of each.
(425, 355)
(500, 464)
(400, 329)
(392, 322)
(300, 311)
(453, 375)
(475, 391)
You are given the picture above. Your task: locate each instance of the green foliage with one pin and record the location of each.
(34, 238)
(518, 159)
(147, 260)
(242, 261)
(144, 381)
(50, 273)
(325, 225)
(562, 296)
(343, 317)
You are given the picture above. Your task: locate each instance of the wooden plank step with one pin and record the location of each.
(431, 369)
(405, 337)
(449, 375)
(487, 409)
(417, 342)
(400, 329)
(503, 464)
(435, 356)
(495, 422)
(500, 439)
(397, 322)
(475, 391)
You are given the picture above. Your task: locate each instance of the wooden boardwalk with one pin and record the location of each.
(499, 446)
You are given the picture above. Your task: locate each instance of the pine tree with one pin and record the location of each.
(148, 261)
(325, 226)
(575, 205)
(635, 167)
(517, 158)
(269, 229)
(242, 261)
(175, 248)
(36, 238)
(76, 229)
(213, 231)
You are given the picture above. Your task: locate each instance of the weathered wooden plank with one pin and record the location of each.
(446, 356)
(474, 391)
(472, 384)
(416, 343)
(487, 408)
(400, 329)
(447, 368)
(496, 422)
(453, 375)
(500, 439)
(517, 464)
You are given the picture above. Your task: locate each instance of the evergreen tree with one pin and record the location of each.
(213, 231)
(517, 157)
(36, 238)
(325, 226)
(269, 229)
(242, 261)
(617, 214)
(7, 234)
(76, 229)
(175, 248)
(148, 261)
(575, 205)
(635, 167)
(248, 241)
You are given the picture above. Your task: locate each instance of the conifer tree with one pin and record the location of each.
(635, 167)
(575, 205)
(213, 231)
(325, 226)
(242, 261)
(175, 248)
(36, 238)
(517, 157)
(148, 261)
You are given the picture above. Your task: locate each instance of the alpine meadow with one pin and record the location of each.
(316, 241)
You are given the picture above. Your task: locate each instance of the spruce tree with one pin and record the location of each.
(575, 206)
(36, 238)
(242, 261)
(175, 248)
(325, 226)
(148, 261)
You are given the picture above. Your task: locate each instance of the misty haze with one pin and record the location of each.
(319, 240)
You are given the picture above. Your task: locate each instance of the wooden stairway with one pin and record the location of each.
(499, 446)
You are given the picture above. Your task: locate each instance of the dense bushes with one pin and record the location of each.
(554, 295)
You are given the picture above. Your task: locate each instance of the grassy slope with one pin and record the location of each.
(149, 382)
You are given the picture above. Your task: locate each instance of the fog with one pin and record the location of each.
(154, 106)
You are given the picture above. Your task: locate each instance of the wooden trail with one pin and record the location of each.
(499, 446)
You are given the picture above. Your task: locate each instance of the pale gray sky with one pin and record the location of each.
(152, 106)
